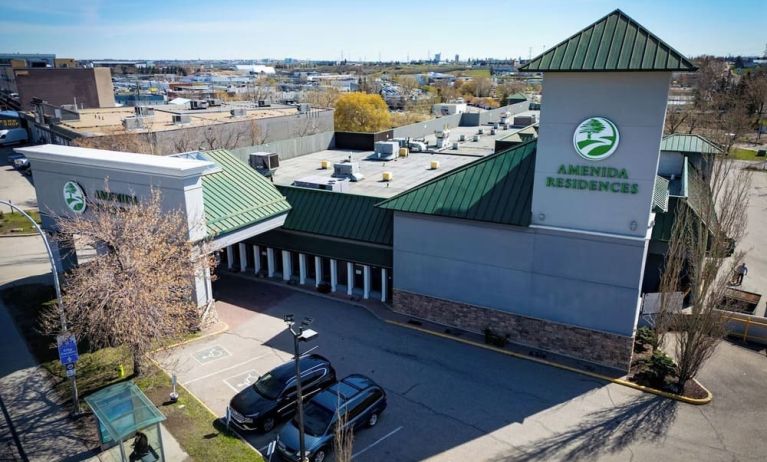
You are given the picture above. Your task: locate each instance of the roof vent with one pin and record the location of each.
(181, 119)
(238, 112)
(143, 111)
(133, 123)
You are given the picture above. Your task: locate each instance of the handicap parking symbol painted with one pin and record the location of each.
(240, 381)
(210, 354)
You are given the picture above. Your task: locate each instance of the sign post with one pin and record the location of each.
(68, 356)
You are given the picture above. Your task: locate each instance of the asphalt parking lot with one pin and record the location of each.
(453, 402)
(441, 394)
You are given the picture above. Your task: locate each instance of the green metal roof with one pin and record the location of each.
(339, 215)
(497, 188)
(689, 143)
(516, 98)
(237, 196)
(123, 409)
(660, 195)
(614, 43)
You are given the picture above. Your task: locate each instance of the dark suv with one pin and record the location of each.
(273, 396)
(356, 398)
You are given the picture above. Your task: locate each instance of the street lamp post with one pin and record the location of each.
(300, 334)
(57, 286)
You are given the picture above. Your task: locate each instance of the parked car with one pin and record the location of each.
(13, 136)
(13, 156)
(356, 399)
(273, 396)
(21, 163)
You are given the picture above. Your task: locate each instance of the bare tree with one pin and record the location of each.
(141, 143)
(308, 124)
(137, 291)
(258, 135)
(324, 97)
(700, 262)
(343, 441)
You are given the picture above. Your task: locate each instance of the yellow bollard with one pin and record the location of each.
(120, 371)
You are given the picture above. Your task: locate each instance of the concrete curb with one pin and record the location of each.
(205, 406)
(622, 382)
(18, 235)
(224, 328)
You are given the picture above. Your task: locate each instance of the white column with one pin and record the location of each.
(384, 280)
(366, 282)
(349, 277)
(208, 285)
(287, 271)
(243, 256)
(317, 271)
(256, 259)
(229, 257)
(333, 274)
(270, 261)
(302, 268)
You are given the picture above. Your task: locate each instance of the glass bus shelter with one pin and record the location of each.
(129, 424)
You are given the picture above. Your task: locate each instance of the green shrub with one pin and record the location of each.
(646, 336)
(659, 367)
(495, 339)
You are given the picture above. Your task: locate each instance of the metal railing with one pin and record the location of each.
(747, 328)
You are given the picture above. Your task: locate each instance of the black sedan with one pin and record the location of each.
(273, 396)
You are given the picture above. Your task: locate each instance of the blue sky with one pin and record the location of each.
(391, 29)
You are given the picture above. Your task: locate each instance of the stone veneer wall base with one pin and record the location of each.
(609, 350)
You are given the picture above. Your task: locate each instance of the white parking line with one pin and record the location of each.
(375, 443)
(223, 370)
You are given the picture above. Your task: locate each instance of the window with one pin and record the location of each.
(369, 400)
(311, 379)
(358, 405)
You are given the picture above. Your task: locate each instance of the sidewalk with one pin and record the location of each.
(41, 421)
(39, 416)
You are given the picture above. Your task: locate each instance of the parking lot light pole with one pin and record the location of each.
(300, 334)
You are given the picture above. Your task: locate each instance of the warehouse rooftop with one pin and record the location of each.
(407, 172)
(109, 121)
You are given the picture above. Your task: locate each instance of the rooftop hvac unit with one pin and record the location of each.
(198, 104)
(238, 112)
(303, 108)
(324, 183)
(524, 120)
(265, 163)
(179, 119)
(262, 103)
(349, 170)
(143, 111)
(215, 102)
(132, 123)
(385, 150)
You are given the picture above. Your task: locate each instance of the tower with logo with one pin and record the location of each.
(604, 103)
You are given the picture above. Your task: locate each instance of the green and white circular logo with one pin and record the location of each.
(596, 138)
(74, 196)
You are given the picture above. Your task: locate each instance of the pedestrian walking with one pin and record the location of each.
(741, 272)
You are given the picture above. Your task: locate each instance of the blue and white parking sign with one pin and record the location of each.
(67, 348)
